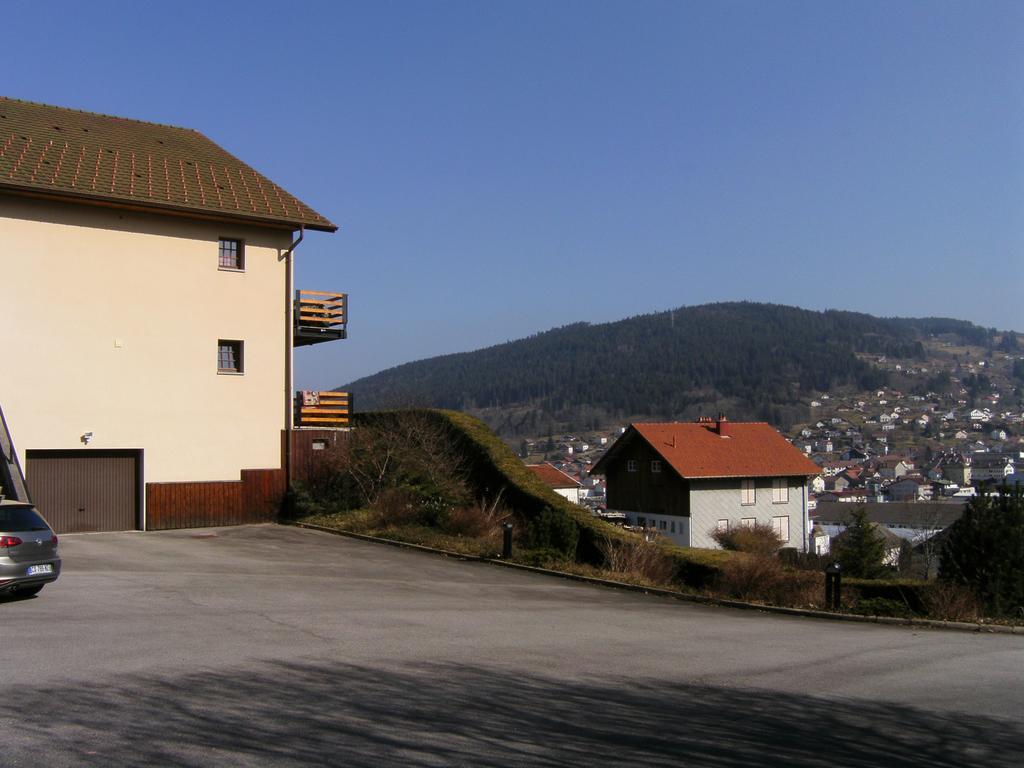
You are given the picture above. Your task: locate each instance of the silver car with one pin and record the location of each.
(28, 550)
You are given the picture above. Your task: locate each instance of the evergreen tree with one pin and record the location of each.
(860, 549)
(984, 550)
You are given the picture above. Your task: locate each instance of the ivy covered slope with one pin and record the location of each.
(757, 361)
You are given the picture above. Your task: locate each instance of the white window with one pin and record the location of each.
(723, 525)
(748, 522)
(747, 493)
(673, 526)
(632, 465)
(656, 466)
(780, 525)
(662, 525)
(780, 491)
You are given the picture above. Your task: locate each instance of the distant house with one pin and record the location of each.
(911, 520)
(892, 544)
(892, 467)
(849, 496)
(994, 467)
(557, 480)
(956, 468)
(686, 480)
(910, 489)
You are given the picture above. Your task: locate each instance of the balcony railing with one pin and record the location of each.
(319, 317)
(323, 410)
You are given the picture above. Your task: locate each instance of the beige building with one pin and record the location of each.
(150, 316)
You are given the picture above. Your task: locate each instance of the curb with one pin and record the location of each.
(957, 626)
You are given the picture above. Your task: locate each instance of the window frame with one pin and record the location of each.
(748, 522)
(237, 347)
(780, 490)
(632, 465)
(237, 252)
(656, 466)
(777, 527)
(748, 492)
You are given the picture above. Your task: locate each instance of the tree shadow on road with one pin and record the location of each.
(444, 714)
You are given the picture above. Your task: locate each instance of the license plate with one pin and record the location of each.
(35, 570)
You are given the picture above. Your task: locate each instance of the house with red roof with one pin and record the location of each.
(150, 321)
(685, 480)
(557, 480)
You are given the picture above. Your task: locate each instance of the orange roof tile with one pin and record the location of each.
(553, 476)
(92, 157)
(747, 449)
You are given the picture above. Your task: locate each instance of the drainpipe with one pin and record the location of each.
(290, 357)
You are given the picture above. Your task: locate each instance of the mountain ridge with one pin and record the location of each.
(752, 359)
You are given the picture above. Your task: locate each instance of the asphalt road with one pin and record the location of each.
(266, 645)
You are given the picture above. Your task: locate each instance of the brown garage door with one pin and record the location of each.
(85, 490)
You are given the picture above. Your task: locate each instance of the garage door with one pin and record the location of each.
(85, 490)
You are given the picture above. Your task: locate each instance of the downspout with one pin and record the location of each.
(290, 356)
(807, 517)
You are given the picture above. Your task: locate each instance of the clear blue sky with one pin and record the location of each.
(500, 168)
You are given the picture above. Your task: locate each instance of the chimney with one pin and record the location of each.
(722, 425)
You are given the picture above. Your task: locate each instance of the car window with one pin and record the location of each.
(15, 519)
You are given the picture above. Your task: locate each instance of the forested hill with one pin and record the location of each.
(752, 360)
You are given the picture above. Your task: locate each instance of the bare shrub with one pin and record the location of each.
(479, 521)
(948, 601)
(405, 448)
(639, 559)
(760, 578)
(758, 539)
(395, 507)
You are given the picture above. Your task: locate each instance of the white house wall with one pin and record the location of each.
(111, 321)
(714, 500)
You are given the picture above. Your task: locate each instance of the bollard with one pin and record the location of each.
(833, 586)
(506, 541)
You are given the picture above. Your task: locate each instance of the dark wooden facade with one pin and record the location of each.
(256, 498)
(313, 450)
(645, 491)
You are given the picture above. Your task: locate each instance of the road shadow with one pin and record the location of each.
(445, 714)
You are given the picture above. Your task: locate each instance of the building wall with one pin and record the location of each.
(572, 494)
(111, 321)
(714, 500)
(675, 529)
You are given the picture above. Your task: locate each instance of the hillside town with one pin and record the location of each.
(922, 456)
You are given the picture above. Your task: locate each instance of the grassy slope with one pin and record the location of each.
(494, 466)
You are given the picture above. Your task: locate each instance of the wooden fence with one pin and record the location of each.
(256, 498)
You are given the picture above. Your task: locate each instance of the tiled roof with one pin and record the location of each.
(98, 158)
(748, 449)
(553, 476)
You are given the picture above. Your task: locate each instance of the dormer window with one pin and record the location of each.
(231, 255)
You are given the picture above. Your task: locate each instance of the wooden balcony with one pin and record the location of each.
(319, 317)
(323, 410)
